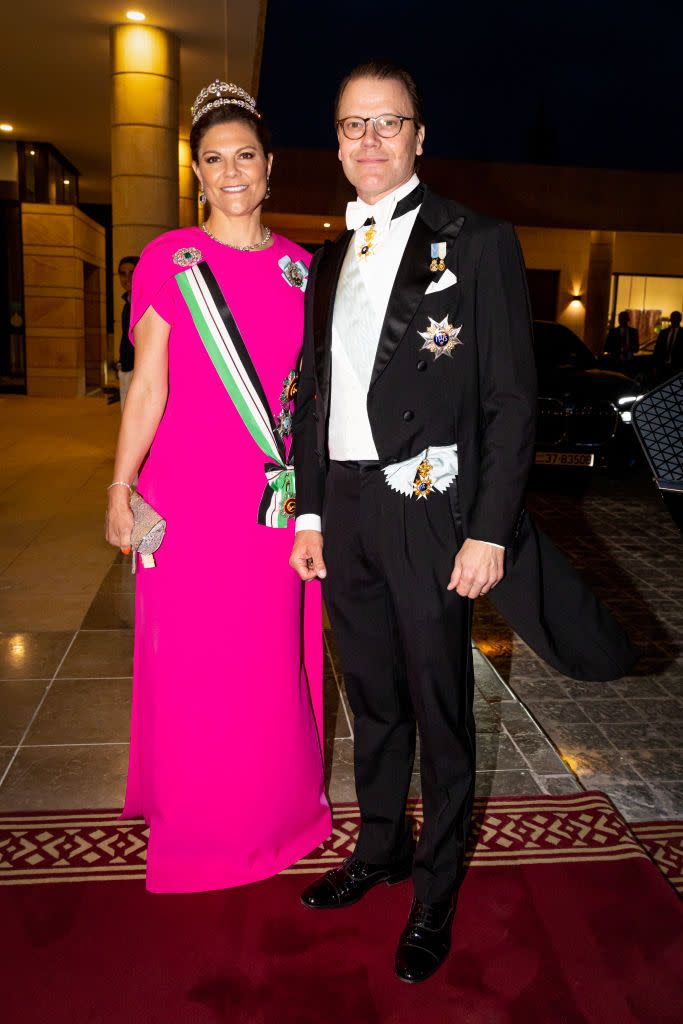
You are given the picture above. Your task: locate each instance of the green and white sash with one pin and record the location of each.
(225, 347)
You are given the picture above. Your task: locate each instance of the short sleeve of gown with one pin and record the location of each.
(153, 285)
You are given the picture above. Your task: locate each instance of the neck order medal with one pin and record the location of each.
(369, 241)
(440, 338)
(423, 483)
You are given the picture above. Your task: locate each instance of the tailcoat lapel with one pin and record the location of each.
(434, 223)
(326, 280)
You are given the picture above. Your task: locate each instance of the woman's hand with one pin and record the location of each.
(118, 524)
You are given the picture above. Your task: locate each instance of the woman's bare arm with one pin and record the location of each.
(144, 408)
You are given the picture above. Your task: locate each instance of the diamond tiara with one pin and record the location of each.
(235, 95)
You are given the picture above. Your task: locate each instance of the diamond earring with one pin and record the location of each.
(202, 198)
(268, 192)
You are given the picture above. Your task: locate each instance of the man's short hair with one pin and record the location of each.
(129, 259)
(385, 69)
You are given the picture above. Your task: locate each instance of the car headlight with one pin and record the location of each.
(628, 399)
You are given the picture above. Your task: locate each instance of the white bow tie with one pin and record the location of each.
(357, 213)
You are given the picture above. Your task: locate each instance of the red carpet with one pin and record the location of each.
(563, 919)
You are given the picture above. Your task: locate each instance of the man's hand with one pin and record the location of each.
(478, 567)
(307, 555)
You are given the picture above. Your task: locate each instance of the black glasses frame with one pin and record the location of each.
(355, 117)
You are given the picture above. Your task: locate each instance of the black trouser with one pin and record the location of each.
(404, 642)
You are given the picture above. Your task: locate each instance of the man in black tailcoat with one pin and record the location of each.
(413, 439)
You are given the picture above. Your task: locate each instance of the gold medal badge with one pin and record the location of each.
(423, 483)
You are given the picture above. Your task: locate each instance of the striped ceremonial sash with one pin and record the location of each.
(230, 357)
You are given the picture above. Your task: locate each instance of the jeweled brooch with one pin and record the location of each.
(440, 338)
(187, 257)
(295, 274)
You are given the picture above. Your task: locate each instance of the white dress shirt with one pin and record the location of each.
(360, 304)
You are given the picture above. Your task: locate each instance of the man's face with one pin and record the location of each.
(377, 166)
(126, 276)
(624, 319)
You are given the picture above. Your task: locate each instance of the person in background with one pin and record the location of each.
(622, 342)
(126, 349)
(669, 349)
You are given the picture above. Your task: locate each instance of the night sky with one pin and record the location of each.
(595, 84)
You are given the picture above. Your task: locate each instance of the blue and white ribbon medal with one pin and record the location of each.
(438, 250)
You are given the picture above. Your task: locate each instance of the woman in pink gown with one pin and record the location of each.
(226, 735)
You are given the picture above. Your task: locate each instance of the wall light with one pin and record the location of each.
(6, 127)
(67, 181)
(31, 152)
(577, 298)
(135, 16)
(326, 224)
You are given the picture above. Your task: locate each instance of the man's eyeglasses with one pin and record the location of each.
(385, 125)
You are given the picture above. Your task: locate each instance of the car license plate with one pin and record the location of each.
(564, 459)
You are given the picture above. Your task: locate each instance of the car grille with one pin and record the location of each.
(550, 421)
(591, 424)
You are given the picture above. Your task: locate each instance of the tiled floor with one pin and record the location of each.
(66, 645)
(65, 707)
(56, 459)
(625, 737)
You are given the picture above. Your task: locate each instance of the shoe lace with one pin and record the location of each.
(356, 868)
(422, 915)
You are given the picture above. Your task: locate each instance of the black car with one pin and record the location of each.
(584, 411)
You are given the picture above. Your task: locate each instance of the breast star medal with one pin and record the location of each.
(284, 423)
(440, 338)
(187, 257)
(287, 395)
(423, 484)
(289, 386)
(369, 241)
(438, 251)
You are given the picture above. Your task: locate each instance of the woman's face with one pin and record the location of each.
(232, 168)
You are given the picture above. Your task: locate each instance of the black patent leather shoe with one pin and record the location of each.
(426, 940)
(347, 884)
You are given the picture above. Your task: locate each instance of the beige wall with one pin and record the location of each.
(640, 253)
(58, 240)
(568, 251)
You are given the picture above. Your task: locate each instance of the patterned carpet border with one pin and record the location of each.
(663, 841)
(78, 846)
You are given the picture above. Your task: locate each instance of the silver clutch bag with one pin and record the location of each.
(148, 531)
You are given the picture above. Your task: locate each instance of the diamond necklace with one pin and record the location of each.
(242, 248)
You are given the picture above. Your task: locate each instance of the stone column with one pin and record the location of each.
(144, 141)
(187, 195)
(598, 288)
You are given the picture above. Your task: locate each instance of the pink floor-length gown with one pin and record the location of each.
(226, 734)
